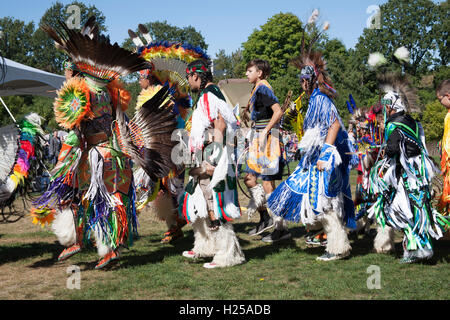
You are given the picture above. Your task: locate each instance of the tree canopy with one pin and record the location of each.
(420, 25)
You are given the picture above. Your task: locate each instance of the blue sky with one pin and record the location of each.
(223, 24)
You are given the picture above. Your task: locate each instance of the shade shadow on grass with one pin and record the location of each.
(17, 252)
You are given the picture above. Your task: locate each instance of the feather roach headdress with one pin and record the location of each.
(398, 93)
(311, 64)
(92, 54)
(169, 60)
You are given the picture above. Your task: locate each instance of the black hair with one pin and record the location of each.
(205, 76)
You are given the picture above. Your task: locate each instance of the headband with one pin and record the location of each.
(69, 65)
(199, 68)
(307, 72)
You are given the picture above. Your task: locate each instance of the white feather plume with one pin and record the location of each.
(402, 54)
(314, 15)
(376, 59)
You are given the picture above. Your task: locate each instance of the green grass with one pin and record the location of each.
(150, 270)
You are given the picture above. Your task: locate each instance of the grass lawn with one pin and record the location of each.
(150, 270)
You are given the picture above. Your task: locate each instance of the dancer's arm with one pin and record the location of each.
(330, 139)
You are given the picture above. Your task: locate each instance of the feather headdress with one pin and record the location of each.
(397, 85)
(311, 64)
(169, 59)
(92, 54)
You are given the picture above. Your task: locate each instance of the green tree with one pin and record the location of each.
(16, 40)
(442, 30)
(227, 66)
(433, 120)
(45, 55)
(278, 41)
(414, 24)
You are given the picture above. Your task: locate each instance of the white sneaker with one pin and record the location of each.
(189, 254)
(330, 256)
(210, 265)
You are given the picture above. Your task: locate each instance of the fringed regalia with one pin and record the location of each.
(22, 151)
(368, 147)
(308, 193)
(169, 61)
(293, 118)
(91, 193)
(401, 183)
(223, 182)
(267, 163)
(221, 244)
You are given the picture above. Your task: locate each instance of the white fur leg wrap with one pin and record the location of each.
(257, 199)
(64, 227)
(384, 240)
(163, 208)
(337, 240)
(222, 245)
(102, 248)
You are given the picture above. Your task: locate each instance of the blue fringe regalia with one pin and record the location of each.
(308, 193)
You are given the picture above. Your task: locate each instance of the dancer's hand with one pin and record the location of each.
(320, 165)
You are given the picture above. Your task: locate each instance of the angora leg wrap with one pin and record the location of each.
(257, 199)
(102, 249)
(64, 227)
(384, 240)
(337, 240)
(221, 244)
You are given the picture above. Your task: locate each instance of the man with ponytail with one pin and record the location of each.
(210, 201)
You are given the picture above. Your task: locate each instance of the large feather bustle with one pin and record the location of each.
(154, 123)
(94, 56)
(399, 83)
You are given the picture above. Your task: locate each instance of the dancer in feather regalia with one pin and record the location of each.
(318, 192)
(22, 152)
(169, 60)
(367, 144)
(91, 194)
(401, 181)
(210, 201)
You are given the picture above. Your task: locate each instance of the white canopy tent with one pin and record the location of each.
(24, 80)
(19, 79)
(237, 92)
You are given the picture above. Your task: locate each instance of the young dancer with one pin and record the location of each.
(266, 114)
(210, 202)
